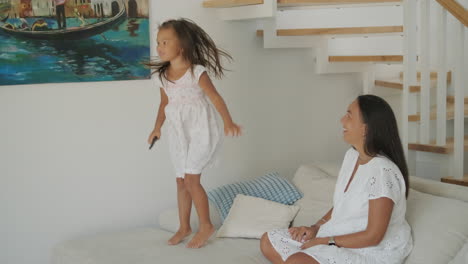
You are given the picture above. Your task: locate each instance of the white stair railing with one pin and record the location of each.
(413, 59)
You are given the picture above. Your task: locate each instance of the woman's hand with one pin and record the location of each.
(232, 129)
(303, 233)
(314, 242)
(154, 133)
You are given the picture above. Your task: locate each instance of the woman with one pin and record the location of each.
(367, 221)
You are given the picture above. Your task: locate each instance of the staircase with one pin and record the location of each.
(349, 36)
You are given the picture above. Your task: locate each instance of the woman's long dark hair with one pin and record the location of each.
(198, 48)
(382, 132)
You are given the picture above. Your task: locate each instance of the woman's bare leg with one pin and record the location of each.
(300, 258)
(269, 251)
(184, 202)
(200, 199)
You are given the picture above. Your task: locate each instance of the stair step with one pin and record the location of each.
(293, 3)
(451, 99)
(397, 85)
(230, 3)
(372, 58)
(335, 31)
(433, 115)
(432, 147)
(462, 182)
(433, 76)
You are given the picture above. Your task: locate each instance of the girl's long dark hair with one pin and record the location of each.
(382, 132)
(198, 48)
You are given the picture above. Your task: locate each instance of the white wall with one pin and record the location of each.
(74, 159)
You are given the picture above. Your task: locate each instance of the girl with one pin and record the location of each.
(186, 52)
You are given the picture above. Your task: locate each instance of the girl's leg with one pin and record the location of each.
(206, 228)
(184, 202)
(269, 251)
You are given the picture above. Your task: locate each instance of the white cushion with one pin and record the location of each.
(462, 256)
(439, 226)
(314, 183)
(149, 246)
(250, 217)
(169, 219)
(317, 187)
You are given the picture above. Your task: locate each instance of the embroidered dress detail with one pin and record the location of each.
(192, 126)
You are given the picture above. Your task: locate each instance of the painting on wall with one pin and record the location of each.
(55, 41)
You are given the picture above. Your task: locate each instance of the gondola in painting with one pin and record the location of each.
(44, 41)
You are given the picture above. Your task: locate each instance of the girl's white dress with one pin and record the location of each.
(193, 130)
(380, 177)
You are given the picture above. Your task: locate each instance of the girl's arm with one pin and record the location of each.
(230, 128)
(160, 118)
(380, 211)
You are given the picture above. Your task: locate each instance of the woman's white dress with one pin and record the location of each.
(193, 130)
(380, 177)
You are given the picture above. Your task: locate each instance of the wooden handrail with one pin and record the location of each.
(456, 9)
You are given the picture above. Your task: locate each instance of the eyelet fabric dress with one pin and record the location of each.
(195, 136)
(380, 177)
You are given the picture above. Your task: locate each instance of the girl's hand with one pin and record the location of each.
(155, 133)
(314, 242)
(232, 129)
(303, 233)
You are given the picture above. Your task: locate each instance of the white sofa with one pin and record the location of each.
(437, 213)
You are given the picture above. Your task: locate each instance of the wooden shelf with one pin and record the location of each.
(375, 58)
(230, 3)
(462, 182)
(335, 31)
(433, 115)
(291, 3)
(432, 147)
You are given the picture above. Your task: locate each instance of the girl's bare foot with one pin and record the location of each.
(202, 236)
(179, 236)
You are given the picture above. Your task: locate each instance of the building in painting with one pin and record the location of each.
(82, 6)
(43, 8)
(137, 8)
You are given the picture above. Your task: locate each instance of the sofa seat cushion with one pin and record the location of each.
(439, 226)
(148, 246)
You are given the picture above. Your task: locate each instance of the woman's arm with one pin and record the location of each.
(380, 211)
(325, 218)
(230, 128)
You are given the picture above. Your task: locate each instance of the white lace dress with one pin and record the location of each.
(192, 126)
(380, 177)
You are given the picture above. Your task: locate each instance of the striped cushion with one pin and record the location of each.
(270, 187)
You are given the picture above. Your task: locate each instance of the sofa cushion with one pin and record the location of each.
(270, 187)
(439, 227)
(149, 246)
(317, 186)
(250, 217)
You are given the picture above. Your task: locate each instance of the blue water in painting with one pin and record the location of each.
(118, 55)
